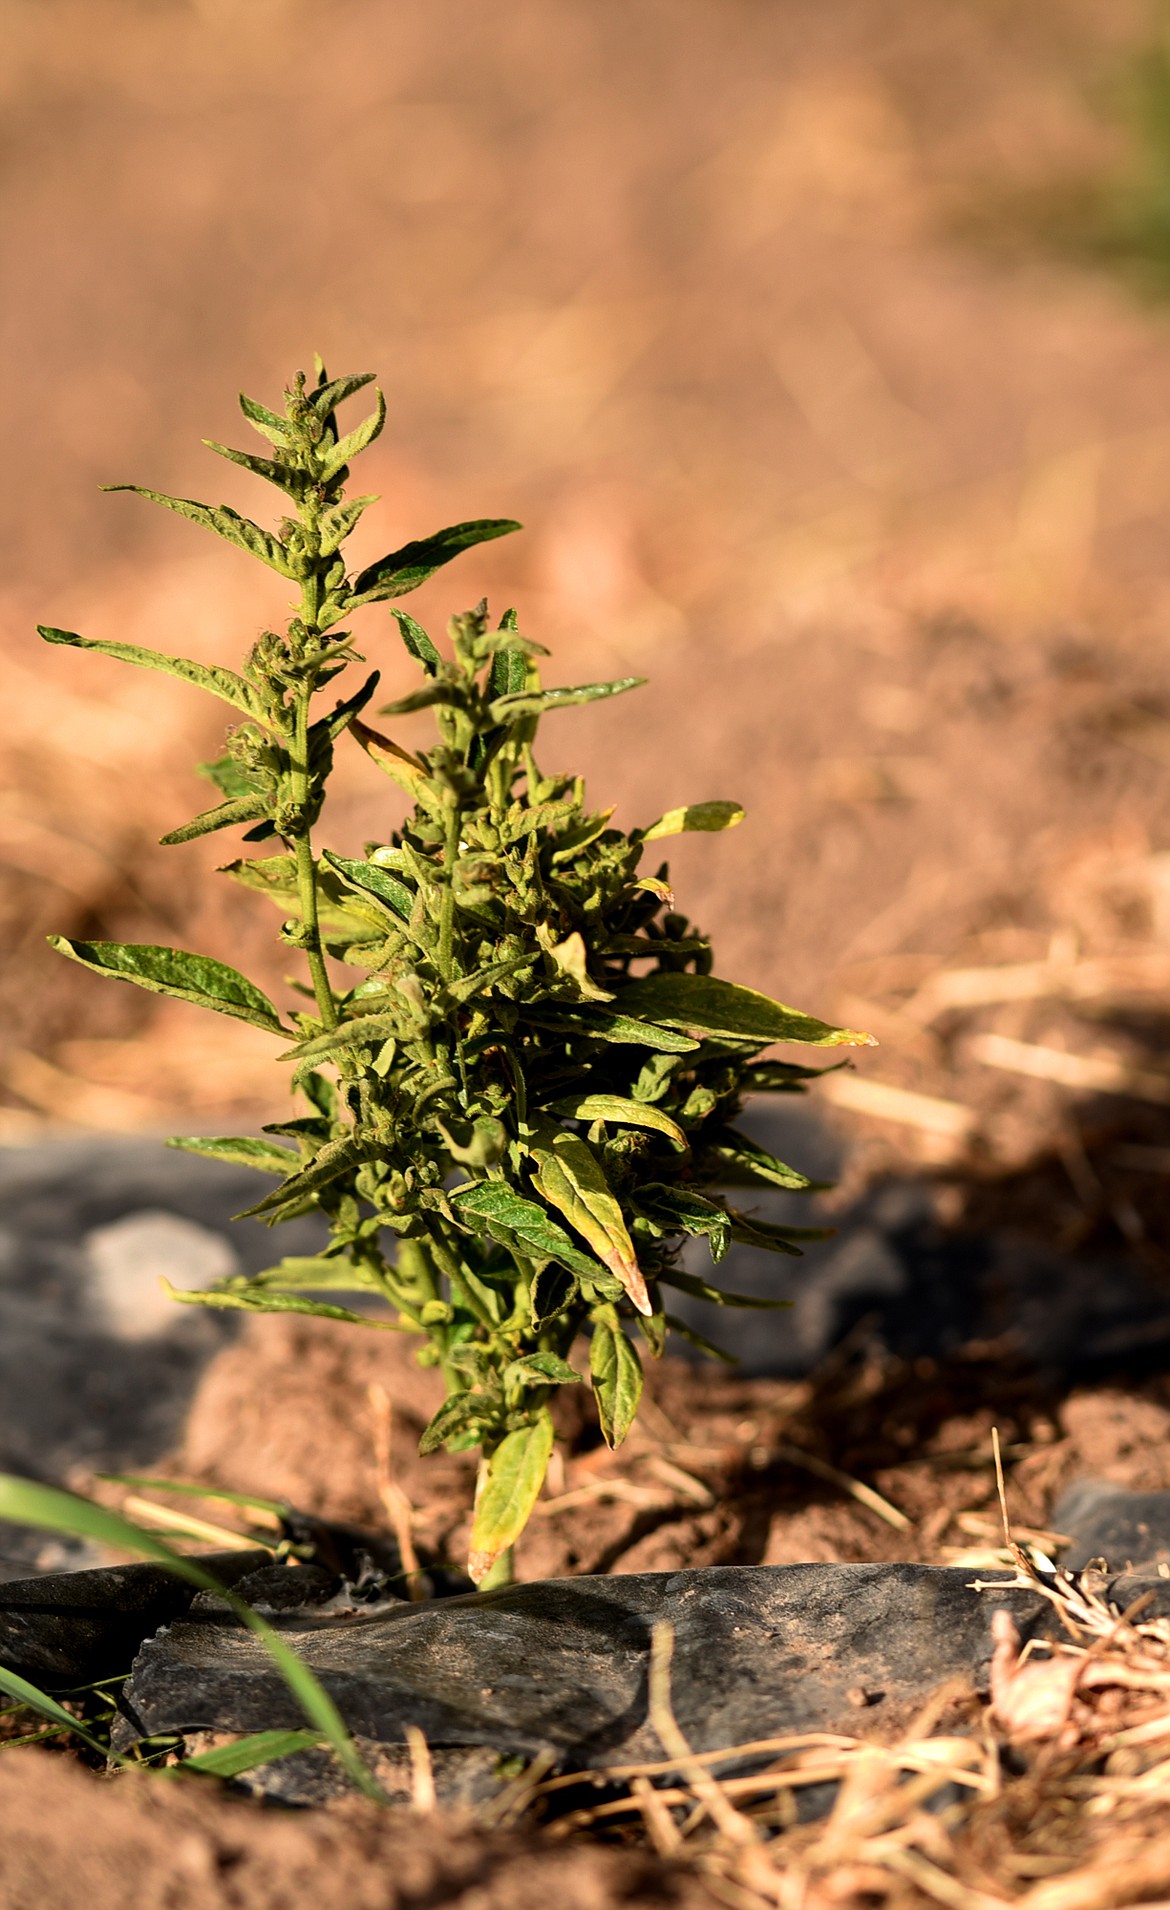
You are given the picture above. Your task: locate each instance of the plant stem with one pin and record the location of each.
(447, 917)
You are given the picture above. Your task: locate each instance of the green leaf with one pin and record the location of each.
(770, 1238)
(509, 673)
(506, 709)
(569, 1177)
(171, 971)
(541, 1369)
(245, 1300)
(616, 1372)
(459, 1414)
(404, 570)
(225, 522)
(226, 815)
(363, 1031)
(337, 524)
(248, 1753)
(373, 880)
(682, 1209)
(356, 440)
(317, 1273)
(704, 1005)
(334, 1159)
(269, 424)
(614, 1107)
(332, 392)
(601, 1024)
(696, 815)
(24, 1502)
(746, 1157)
(30, 1695)
(224, 684)
(284, 476)
(509, 1490)
(417, 642)
(493, 1208)
(717, 1296)
(553, 1290)
(697, 1340)
(240, 1150)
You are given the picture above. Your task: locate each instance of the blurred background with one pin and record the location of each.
(824, 353)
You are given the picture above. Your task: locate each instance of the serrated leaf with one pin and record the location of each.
(405, 569)
(269, 424)
(509, 673)
(541, 1369)
(225, 815)
(224, 684)
(695, 815)
(460, 1413)
(276, 877)
(225, 522)
(417, 642)
(362, 1031)
(601, 1024)
(704, 1005)
(250, 1753)
(717, 1296)
(369, 878)
(332, 392)
(171, 971)
(506, 709)
(242, 1150)
(616, 1372)
(337, 524)
(356, 440)
(569, 1177)
(286, 479)
(509, 1489)
(245, 1301)
(493, 1208)
(614, 1107)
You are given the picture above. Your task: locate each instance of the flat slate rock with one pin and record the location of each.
(1129, 1530)
(69, 1628)
(560, 1667)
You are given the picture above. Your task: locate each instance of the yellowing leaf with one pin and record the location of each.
(695, 815)
(569, 1178)
(508, 1491)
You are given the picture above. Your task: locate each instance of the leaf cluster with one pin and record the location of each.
(520, 1079)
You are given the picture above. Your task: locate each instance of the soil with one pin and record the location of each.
(879, 509)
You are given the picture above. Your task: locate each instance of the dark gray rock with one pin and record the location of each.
(1129, 1530)
(561, 1667)
(97, 1364)
(73, 1627)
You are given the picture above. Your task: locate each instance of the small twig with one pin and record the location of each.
(664, 1723)
(865, 1495)
(395, 1503)
(422, 1771)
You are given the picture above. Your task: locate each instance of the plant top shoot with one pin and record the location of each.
(519, 1076)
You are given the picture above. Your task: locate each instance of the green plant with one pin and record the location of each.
(532, 1123)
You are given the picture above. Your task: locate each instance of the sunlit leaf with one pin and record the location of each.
(250, 1753)
(265, 1300)
(616, 1372)
(695, 815)
(405, 569)
(492, 1207)
(171, 971)
(225, 684)
(615, 1108)
(570, 1178)
(225, 522)
(510, 1488)
(243, 1150)
(506, 709)
(704, 1005)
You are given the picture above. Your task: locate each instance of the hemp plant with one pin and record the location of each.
(519, 1076)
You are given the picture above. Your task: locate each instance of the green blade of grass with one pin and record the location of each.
(25, 1502)
(34, 1699)
(248, 1754)
(140, 1482)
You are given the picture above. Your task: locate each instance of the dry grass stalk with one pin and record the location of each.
(395, 1503)
(863, 1095)
(1092, 1074)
